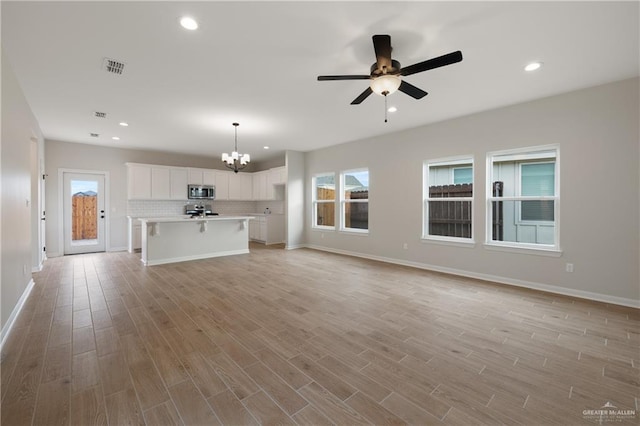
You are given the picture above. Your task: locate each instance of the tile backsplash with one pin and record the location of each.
(150, 208)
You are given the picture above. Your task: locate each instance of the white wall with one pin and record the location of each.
(597, 131)
(19, 127)
(66, 155)
(295, 199)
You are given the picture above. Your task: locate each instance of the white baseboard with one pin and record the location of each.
(125, 248)
(598, 297)
(14, 314)
(38, 268)
(296, 246)
(198, 257)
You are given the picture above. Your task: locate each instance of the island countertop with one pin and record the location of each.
(168, 239)
(186, 218)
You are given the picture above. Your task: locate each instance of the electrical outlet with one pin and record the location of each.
(24, 269)
(405, 246)
(569, 267)
(321, 235)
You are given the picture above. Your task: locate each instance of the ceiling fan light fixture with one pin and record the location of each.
(385, 84)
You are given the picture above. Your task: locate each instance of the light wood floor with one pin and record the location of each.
(310, 338)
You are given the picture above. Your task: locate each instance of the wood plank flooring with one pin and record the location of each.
(309, 338)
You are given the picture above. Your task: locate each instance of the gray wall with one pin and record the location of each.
(21, 143)
(295, 199)
(597, 130)
(65, 155)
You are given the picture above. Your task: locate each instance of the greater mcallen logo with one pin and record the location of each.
(609, 413)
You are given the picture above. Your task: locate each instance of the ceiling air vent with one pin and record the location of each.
(94, 135)
(112, 66)
(99, 114)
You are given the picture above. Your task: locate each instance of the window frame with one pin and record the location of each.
(344, 201)
(449, 161)
(315, 202)
(523, 156)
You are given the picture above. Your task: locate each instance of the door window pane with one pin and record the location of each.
(84, 210)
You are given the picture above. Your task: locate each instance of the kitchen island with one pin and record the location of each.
(180, 238)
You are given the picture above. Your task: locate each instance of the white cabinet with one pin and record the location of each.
(178, 181)
(160, 183)
(240, 186)
(278, 176)
(268, 229)
(260, 185)
(275, 178)
(202, 176)
(148, 182)
(151, 182)
(135, 234)
(138, 182)
(222, 185)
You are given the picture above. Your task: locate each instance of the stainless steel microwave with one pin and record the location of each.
(201, 192)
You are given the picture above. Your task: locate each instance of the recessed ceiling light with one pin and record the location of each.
(392, 109)
(123, 124)
(266, 147)
(533, 66)
(115, 138)
(188, 23)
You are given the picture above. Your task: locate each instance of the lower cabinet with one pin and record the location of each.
(268, 229)
(135, 235)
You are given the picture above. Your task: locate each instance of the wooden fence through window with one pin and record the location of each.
(356, 215)
(453, 218)
(450, 218)
(326, 211)
(84, 217)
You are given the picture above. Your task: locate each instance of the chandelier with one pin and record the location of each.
(236, 161)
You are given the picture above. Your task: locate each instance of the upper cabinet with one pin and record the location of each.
(260, 185)
(178, 181)
(202, 176)
(138, 182)
(151, 182)
(222, 184)
(240, 186)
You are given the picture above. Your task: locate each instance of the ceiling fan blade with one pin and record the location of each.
(364, 95)
(411, 90)
(429, 64)
(343, 77)
(382, 46)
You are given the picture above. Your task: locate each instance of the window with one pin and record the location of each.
(448, 199)
(537, 179)
(355, 200)
(462, 175)
(523, 198)
(324, 200)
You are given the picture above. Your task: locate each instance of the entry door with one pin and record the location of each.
(84, 213)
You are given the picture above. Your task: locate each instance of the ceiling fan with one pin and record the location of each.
(386, 73)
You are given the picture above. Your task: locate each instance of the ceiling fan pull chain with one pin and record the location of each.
(385, 108)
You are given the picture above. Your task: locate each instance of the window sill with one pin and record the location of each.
(323, 228)
(361, 233)
(458, 242)
(549, 252)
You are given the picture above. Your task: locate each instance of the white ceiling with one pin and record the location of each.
(257, 63)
